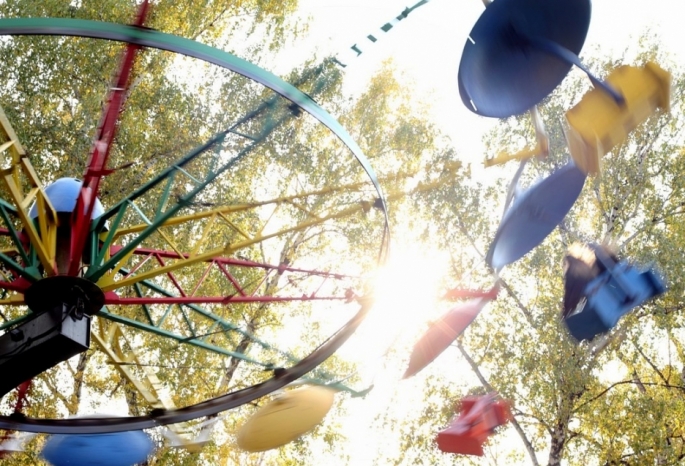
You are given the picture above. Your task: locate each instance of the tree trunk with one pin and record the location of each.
(559, 437)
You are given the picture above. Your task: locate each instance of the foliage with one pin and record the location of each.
(616, 400)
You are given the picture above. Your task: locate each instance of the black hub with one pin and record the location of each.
(44, 340)
(58, 329)
(78, 294)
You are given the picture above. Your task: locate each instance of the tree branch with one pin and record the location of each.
(544, 424)
(521, 306)
(486, 384)
(624, 382)
(524, 309)
(661, 376)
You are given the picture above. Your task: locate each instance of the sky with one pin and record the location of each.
(426, 48)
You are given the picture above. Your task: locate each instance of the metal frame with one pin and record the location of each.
(108, 261)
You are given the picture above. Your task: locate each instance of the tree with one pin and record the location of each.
(617, 399)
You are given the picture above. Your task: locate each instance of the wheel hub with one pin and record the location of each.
(78, 293)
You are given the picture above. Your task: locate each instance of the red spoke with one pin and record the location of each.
(238, 288)
(231, 279)
(15, 285)
(140, 264)
(262, 281)
(202, 278)
(171, 276)
(96, 168)
(234, 262)
(111, 298)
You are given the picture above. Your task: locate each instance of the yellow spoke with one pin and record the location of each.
(44, 241)
(109, 285)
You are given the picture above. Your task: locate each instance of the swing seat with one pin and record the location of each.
(478, 418)
(534, 215)
(620, 288)
(285, 418)
(179, 438)
(11, 444)
(115, 449)
(442, 333)
(500, 73)
(462, 443)
(597, 123)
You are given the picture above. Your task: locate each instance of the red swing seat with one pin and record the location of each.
(477, 420)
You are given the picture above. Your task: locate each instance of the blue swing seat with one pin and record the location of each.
(617, 290)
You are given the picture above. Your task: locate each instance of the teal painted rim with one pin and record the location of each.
(162, 41)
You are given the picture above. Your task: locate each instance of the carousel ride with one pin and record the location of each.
(145, 267)
(517, 53)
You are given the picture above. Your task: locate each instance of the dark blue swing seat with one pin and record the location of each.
(619, 288)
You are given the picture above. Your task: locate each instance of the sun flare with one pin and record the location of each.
(406, 292)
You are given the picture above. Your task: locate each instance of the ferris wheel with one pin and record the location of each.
(180, 268)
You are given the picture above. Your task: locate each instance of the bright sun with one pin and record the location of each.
(406, 297)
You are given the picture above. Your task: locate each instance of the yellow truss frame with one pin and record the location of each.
(15, 166)
(221, 215)
(112, 342)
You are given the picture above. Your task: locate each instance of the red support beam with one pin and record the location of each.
(239, 294)
(236, 262)
(203, 278)
(111, 298)
(231, 279)
(171, 276)
(15, 285)
(22, 392)
(96, 168)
